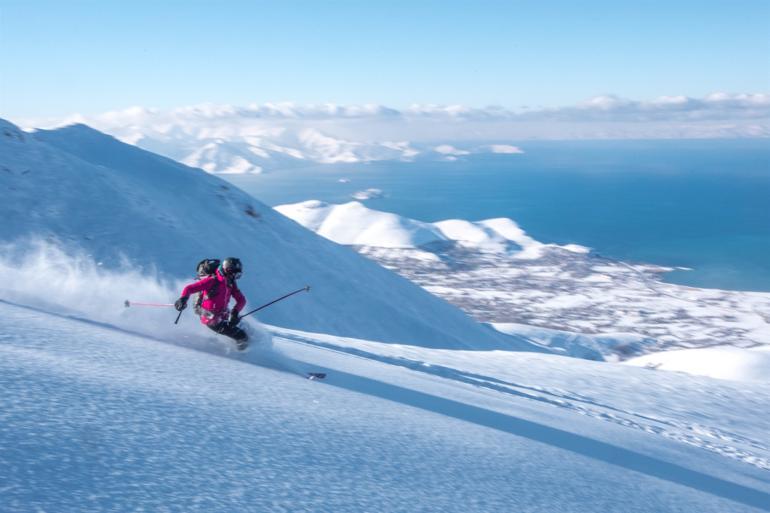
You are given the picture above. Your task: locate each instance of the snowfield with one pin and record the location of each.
(94, 418)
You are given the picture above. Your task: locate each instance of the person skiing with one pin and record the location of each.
(216, 291)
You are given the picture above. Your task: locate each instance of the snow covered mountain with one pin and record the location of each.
(262, 137)
(226, 139)
(354, 224)
(562, 297)
(84, 191)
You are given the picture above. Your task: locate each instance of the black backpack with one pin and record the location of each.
(206, 267)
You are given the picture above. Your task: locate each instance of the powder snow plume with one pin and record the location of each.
(43, 276)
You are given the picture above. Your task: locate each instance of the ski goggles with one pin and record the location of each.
(234, 274)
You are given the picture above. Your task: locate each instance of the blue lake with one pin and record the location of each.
(700, 204)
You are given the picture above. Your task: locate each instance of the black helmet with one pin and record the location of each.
(231, 267)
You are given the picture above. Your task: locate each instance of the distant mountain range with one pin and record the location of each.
(229, 140)
(264, 137)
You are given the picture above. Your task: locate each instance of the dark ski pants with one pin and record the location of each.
(234, 332)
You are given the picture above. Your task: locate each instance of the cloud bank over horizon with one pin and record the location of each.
(253, 138)
(714, 105)
(748, 114)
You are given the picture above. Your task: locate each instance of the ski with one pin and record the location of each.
(315, 375)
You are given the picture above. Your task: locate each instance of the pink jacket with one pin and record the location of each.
(215, 306)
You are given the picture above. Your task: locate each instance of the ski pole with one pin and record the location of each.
(178, 316)
(306, 288)
(128, 303)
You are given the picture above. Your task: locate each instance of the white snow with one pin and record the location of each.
(99, 419)
(258, 138)
(354, 224)
(273, 136)
(580, 345)
(723, 362)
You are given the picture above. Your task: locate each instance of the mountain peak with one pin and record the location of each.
(79, 132)
(11, 132)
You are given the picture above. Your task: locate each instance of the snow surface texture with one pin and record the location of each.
(95, 418)
(106, 408)
(223, 139)
(121, 206)
(718, 362)
(563, 297)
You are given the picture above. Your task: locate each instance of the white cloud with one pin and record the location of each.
(252, 138)
(449, 150)
(368, 194)
(504, 149)
(718, 105)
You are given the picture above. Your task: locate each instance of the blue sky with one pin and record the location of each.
(63, 57)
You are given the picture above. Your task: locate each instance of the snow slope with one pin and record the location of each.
(97, 419)
(580, 345)
(752, 364)
(87, 192)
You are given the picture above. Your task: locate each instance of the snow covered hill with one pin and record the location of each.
(93, 418)
(87, 192)
(354, 224)
(563, 297)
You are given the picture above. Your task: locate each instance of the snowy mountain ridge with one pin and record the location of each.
(354, 224)
(228, 140)
(263, 137)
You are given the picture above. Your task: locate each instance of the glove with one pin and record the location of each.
(234, 318)
(181, 303)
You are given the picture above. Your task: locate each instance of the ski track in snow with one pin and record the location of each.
(716, 440)
(135, 407)
(713, 439)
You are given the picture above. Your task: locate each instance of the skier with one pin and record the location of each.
(216, 291)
